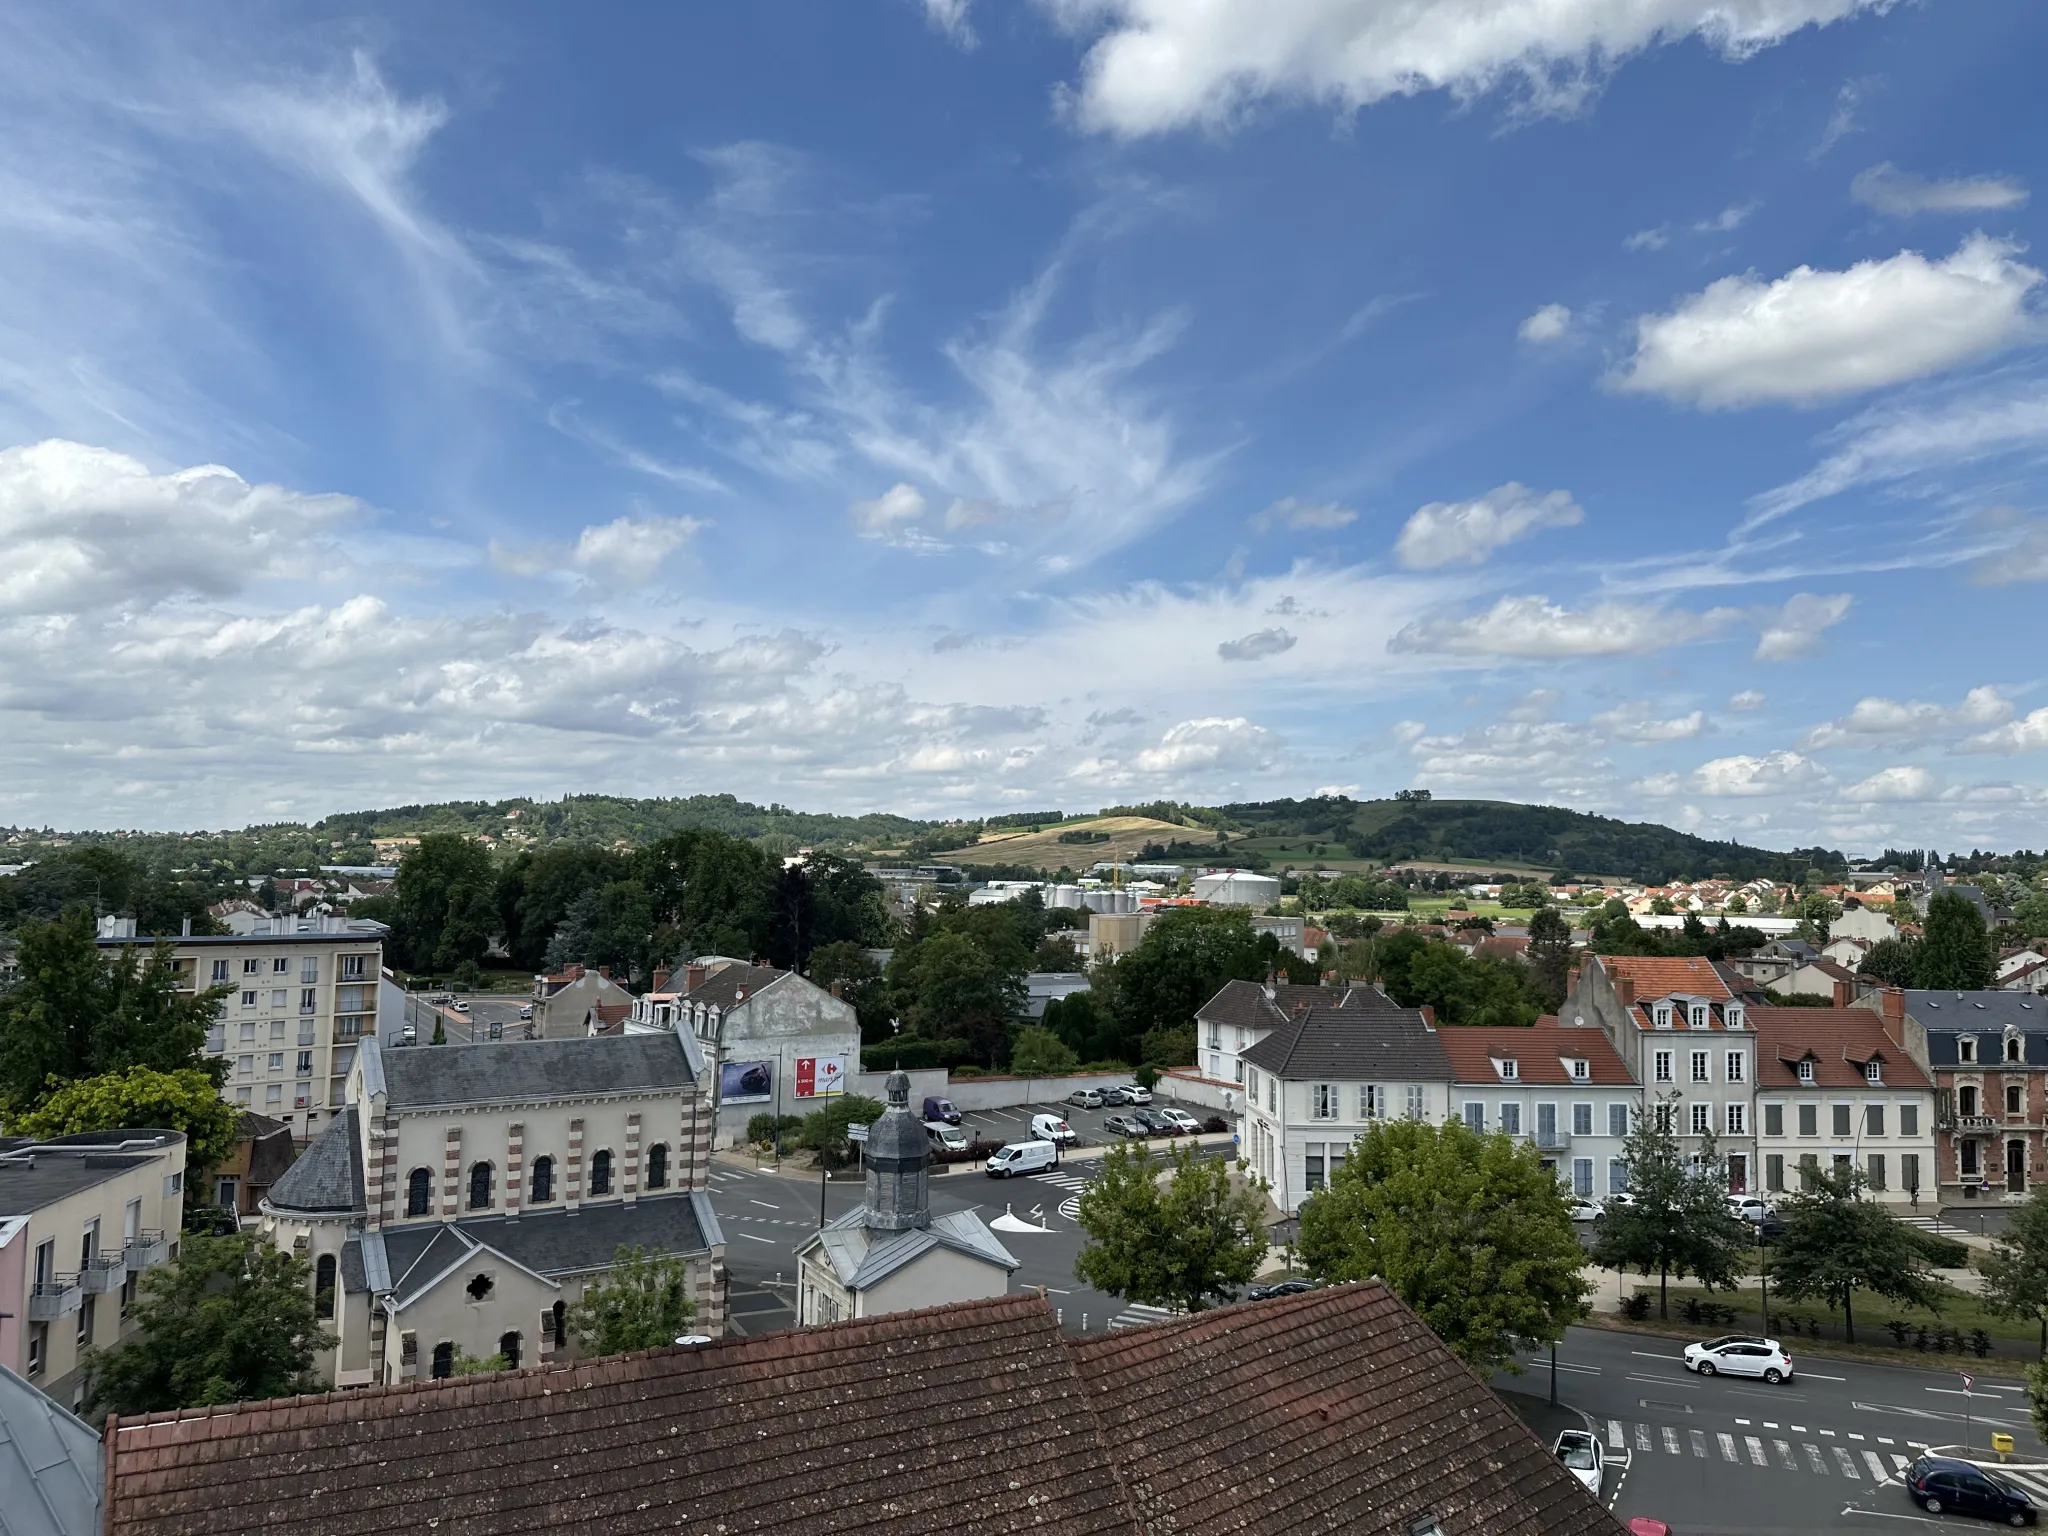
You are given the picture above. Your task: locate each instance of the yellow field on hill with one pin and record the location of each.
(1043, 849)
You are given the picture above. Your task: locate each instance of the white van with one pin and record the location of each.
(949, 1138)
(1053, 1129)
(1023, 1157)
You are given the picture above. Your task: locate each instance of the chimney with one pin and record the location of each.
(1428, 1015)
(739, 995)
(660, 979)
(605, 971)
(1625, 990)
(693, 977)
(573, 972)
(185, 930)
(836, 986)
(1894, 1012)
(1841, 994)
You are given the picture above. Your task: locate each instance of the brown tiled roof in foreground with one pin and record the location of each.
(977, 1417)
(1333, 1411)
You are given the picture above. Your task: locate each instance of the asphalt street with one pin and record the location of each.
(1823, 1452)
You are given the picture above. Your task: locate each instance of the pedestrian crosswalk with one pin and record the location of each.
(1073, 1181)
(1933, 1224)
(1139, 1317)
(1828, 1456)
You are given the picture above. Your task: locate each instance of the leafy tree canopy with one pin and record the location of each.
(139, 1098)
(1676, 1221)
(1955, 947)
(2016, 1269)
(644, 1303)
(1836, 1243)
(1041, 1053)
(824, 1130)
(1185, 1240)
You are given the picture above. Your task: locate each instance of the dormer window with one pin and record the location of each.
(1699, 1015)
(1580, 1069)
(1966, 1048)
(1873, 1071)
(1806, 1071)
(1732, 1016)
(1663, 1015)
(1509, 1070)
(2012, 1047)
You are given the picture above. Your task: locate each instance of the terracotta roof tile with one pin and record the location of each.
(1662, 975)
(1539, 1053)
(1841, 1041)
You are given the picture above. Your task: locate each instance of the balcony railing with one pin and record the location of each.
(1967, 1122)
(58, 1296)
(106, 1272)
(1552, 1141)
(146, 1248)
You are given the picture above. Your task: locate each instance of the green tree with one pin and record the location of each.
(1465, 989)
(1895, 962)
(139, 1098)
(2016, 1269)
(710, 894)
(536, 891)
(1836, 1243)
(644, 1303)
(951, 987)
(1955, 948)
(1183, 960)
(1676, 1221)
(2030, 915)
(446, 902)
(1185, 1245)
(610, 926)
(79, 1012)
(1167, 1047)
(1550, 955)
(231, 1321)
(1041, 1053)
(440, 1036)
(824, 1130)
(1469, 1229)
(860, 983)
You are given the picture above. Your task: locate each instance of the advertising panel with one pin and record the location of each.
(819, 1077)
(746, 1082)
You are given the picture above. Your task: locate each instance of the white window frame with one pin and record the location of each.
(1661, 1066)
(1702, 1119)
(1323, 1102)
(1738, 1068)
(1702, 1066)
(1873, 1071)
(1509, 1068)
(1736, 1119)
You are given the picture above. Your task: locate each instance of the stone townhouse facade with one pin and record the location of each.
(1834, 1090)
(468, 1195)
(1564, 1089)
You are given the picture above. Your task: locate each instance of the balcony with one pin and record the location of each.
(106, 1272)
(146, 1248)
(307, 1035)
(58, 1296)
(1552, 1141)
(1966, 1122)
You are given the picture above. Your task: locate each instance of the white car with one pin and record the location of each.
(1750, 1207)
(1183, 1122)
(1740, 1355)
(1582, 1208)
(1581, 1453)
(461, 1006)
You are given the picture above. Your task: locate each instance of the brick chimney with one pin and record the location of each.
(1894, 1012)
(1428, 1015)
(1625, 990)
(605, 971)
(1842, 998)
(573, 972)
(693, 977)
(660, 979)
(837, 987)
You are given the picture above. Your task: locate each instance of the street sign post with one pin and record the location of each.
(1968, 1382)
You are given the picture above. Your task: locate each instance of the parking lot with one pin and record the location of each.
(1015, 1124)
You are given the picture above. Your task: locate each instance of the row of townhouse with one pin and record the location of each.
(1780, 1091)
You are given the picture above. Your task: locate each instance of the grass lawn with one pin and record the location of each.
(1961, 1313)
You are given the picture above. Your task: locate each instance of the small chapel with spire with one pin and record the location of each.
(890, 1254)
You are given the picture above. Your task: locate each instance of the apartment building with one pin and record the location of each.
(1681, 1026)
(303, 995)
(1318, 1080)
(81, 1217)
(1834, 1091)
(1562, 1088)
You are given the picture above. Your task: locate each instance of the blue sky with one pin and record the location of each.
(951, 407)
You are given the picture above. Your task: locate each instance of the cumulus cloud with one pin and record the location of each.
(1638, 723)
(886, 515)
(1511, 752)
(1794, 630)
(1211, 743)
(1732, 217)
(1902, 783)
(1876, 720)
(1537, 627)
(1648, 239)
(1772, 773)
(1747, 701)
(2027, 734)
(1262, 643)
(1812, 336)
(950, 18)
(1303, 516)
(1467, 532)
(1901, 194)
(1553, 322)
(86, 528)
(1161, 65)
(1659, 786)
(624, 553)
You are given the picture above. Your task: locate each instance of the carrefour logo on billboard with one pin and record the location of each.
(818, 1077)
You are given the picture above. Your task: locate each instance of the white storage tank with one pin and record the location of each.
(1236, 888)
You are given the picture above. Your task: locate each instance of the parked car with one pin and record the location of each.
(408, 1035)
(1580, 1452)
(1126, 1125)
(526, 1012)
(1582, 1208)
(941, 1110)
(1183, 1122)
(1086, 1098)
(1023, 1157)
(1750, 1207)
(1279, 1288)
(1740, 1355)
(1949, 1485)
(1129, 1093)
(1053, 1129)
(949, 1137)
(461, 1005)
(1155, 1123)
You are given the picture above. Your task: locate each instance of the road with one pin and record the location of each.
(473, 1027)
(1820, 1453)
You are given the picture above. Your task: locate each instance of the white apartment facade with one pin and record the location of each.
(1835, 1091)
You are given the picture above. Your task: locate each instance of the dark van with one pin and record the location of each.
(941, 1110)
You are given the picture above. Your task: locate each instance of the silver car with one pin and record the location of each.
(1085, 1098)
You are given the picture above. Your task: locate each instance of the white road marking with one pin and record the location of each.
(1671, 1440)
(1886, 1440)
(1615, 1436)
(1743, 1422)
(1816, 1375)
(1643, 1438)
(765, 1205)
(1769, 1425)
(1699, 1443)
(1854, 1436)
(1791, 1463)
(753, 1239)
(1756, 1450)
(1878, 1474)
(1647, 1355)
(1827, 1431)
(1727, 1447)
(1901, 1463)
(1846, 1462)
(1798, 1429)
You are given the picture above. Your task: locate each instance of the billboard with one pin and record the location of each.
(746, 1082)
(819, 1077)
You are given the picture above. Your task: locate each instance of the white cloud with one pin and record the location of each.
(1648, 239)
(1253, 647)
(1162, 64)
(2027, 734)
(1467, 532)
(1794, 630)
(1842, 121)
(1537, 627)
(1876, 720)
(887, 513)
(1902, 783)
(1659, 786)
(950, 18)
(1890, 190)
(1514, 752)
(1553, 322)
(1747, 701)
(1637, 723)
(1812, 335)
(1303, 516)
(1772, 773)
(1211, 743)
(2024, 556)
(623, 554)
(1731, 217)
(85, 528)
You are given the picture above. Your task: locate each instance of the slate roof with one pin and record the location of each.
(49, 1465)
(1976, 1012)
(1354, 1044)
(1840, 1040)
(552, 1241)
(862, 1256)
(1539, 1053)
(975, 1417)
(271, 1148)
(525, 1071)
(721, 990)
(328, 1177)
(1346, 1415)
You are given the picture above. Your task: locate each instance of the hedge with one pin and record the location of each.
(912, 1055)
